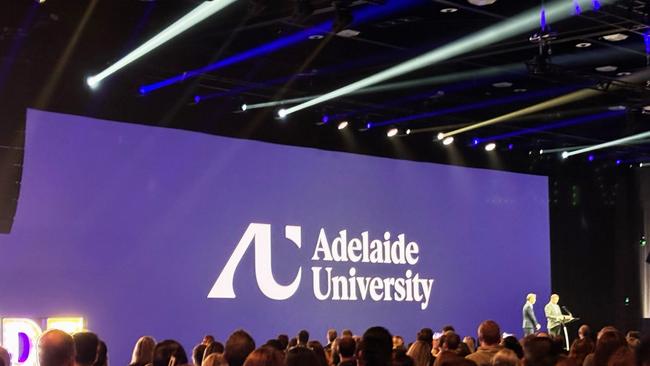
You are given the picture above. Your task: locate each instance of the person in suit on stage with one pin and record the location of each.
(554, 316)
(530, 323)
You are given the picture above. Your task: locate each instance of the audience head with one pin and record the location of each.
(580, 348)
(511, 343)
(471, 343)
(265, 356)
(85, 344)
(489, 333)
(347, 346)
(584, 331)
(274, 343)
(538, 351)
(169, 353)
(56, 348)
(633, 338)
(425, 335)
(457, 361)
(238, 346)
(505, 357)
(400, 358)
(214, 347)
(449, 341)
(284, 340)
(398, 343)
(215, 359)
(331, 335)
(300, 356)
(102, 354)
(293, 342)
(624, 356)
(303, 337)
(346, 333)
(197, 354)
(319, 351)
(608, 343)
(143, 351)
(376, 347)
(4, 357)
(448, 328)
(208, 339)
(643, 352)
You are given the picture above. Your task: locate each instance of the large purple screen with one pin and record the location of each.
(175, 234)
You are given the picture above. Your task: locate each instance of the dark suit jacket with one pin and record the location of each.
(530, 321)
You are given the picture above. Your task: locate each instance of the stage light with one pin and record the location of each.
(244, 107)
(441, 136)
(365, 14)
(448, 140)
(511, 146)
(282, 113)
(449, 10)
(617, 108)
(192, 18)
(616, 37)
(392, 132)
(558, 124)
(475, 141)
(481, 2)
(408, 131)
(502, 84)
(343, 17)
(607, 68)
(621, 141)
(528, 20)
(646, 109)
(565, 154)
(541, 151)
(590, 158)
(618, 162)
(583, 45)
(343, 125)
(490, 147)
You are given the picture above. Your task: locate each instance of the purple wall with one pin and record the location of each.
(130, 226)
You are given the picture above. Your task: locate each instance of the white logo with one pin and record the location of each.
(261, 235)
(327, 284)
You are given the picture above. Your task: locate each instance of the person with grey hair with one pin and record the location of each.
(56, 348)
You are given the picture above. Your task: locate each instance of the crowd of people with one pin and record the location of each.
(376, 347)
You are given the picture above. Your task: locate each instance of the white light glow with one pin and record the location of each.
(392, 132)
(527, 21)
(565, 154)
(282, 113)
(491, 146)
(343, 125)
(448, 141)
(192, 18)
(441, 136)
(244, 107)
(621, 141)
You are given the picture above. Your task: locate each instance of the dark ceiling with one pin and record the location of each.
(48, 50)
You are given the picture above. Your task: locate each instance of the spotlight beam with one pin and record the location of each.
(198, 14)
(552, 103)
(408, 84)
(526, 21)
(604, 145)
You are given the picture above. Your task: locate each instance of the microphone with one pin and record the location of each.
(567, 310)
